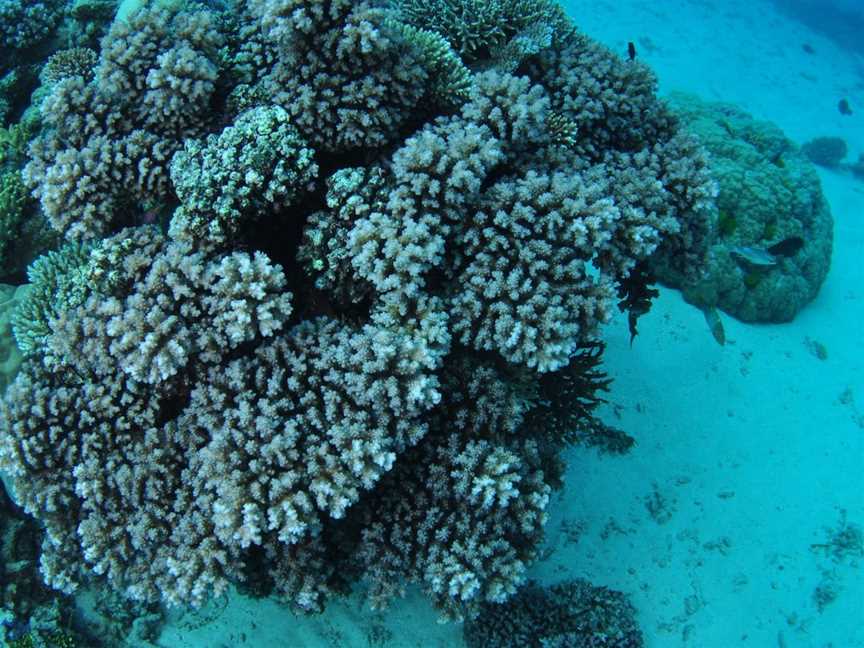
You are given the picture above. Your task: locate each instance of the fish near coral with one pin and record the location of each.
(756, 257)
(767, 257)
(715, 324)
(844, 107)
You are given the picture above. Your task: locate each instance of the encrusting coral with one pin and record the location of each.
(320, 365)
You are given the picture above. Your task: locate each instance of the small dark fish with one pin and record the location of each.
(787, 247)
(631, 50)
(807, 47)
(844, 107)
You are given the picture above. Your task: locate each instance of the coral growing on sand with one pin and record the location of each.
(768, 193)
(571, 614)
(317, 268)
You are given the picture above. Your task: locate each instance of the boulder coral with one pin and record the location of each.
(769, 192)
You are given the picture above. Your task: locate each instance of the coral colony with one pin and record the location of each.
(318, 256)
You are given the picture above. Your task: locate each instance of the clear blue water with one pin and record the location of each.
(737, 516)
(841, 21)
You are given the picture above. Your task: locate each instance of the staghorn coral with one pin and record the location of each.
(321, 368)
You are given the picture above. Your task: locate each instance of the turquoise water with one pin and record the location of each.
(732, 517)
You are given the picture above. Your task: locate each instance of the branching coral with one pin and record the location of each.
(24, 233)
(108, 142)
(529, 294)
(167, 307)
(522, 248)
(611, 102)
(346, 75)
(324, 367)
(450, 80)
(481, 495)
(13, 198)
(23, 23)
(565, 400)
(257, 165)
(77, 61)
(58, 280)
(479, 28)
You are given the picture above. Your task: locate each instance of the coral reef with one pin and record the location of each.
(11, 297)
(345, 75)
(57, 281)
(30, 30)
(73, 62)
(474, 482)
(566, 399)
(108, 142)
(24, 23)
(480, 30)
(320, 258)
(571, 614)
(31, 614)
(24, 233)
(13, 200)
(768, 192)
(254, 166)
(825, 151)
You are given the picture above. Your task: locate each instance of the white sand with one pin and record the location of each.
(748, 445)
